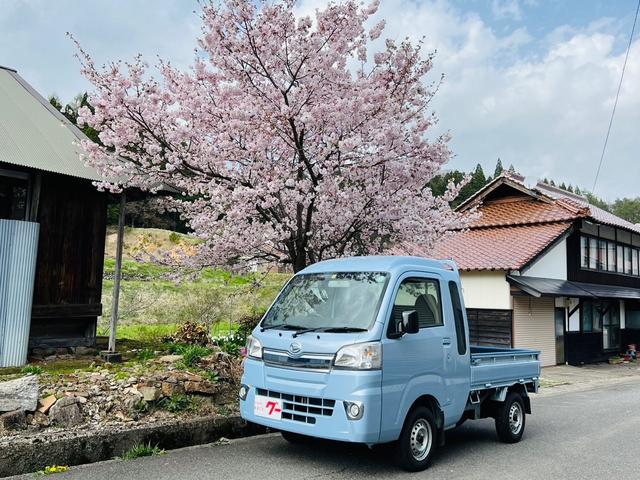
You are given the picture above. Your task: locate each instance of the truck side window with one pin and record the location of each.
(458, 317)
(421, 295)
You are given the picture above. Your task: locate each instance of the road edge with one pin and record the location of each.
(31, 454)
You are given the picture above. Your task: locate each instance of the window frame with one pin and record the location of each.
(416, 277)
(618, 265)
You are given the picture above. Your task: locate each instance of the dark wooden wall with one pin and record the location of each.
(490, 327)
(68, 288)
(581, 348)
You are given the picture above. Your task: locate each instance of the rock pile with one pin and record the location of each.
(115, 394)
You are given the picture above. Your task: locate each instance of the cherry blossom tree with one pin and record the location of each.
(288, 139)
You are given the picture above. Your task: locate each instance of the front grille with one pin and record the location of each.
(300, 408)
(318, 362)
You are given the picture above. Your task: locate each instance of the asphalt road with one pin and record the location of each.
(578, 435)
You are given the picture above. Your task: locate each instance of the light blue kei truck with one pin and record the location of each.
(376, 350)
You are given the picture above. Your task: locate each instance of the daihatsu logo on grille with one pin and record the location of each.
(295, 349)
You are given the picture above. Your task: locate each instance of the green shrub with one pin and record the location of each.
(192, 354)
(142, 450)
(177, 403)
(174, 238)
(146, 355)
(31, 369)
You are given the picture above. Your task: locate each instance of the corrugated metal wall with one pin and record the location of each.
(18, 251)
(533, 326)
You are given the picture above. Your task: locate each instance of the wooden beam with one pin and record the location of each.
(117, 275)
(67, 311)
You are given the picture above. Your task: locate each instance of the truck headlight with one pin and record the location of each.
(360, 356)
(254, 347)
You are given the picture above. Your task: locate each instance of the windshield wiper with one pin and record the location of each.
(343, 329)
(330, 330)
(283, 326)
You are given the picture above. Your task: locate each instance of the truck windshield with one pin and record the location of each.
(328, 301)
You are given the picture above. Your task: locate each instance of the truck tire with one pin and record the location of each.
(510, 418)
(294, 437)
(417, 441)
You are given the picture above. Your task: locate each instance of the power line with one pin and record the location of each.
(615, 104)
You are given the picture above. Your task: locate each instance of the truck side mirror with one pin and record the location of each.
(410, 322)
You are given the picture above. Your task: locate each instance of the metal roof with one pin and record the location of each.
(539, 287)
(34, 134)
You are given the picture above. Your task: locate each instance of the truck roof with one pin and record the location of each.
(380, 263)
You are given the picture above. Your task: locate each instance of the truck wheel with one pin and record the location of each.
(510, 418)
(294, 437)
(417, 441)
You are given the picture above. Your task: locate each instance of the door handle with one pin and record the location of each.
(446, 341)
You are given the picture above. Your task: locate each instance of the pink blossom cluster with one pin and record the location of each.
(288, 141)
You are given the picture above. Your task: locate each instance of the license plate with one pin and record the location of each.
(268, 407)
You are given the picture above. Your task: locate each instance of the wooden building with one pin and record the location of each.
(544, 269)
(43, 179)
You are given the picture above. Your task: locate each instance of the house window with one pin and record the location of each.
(620, 250)
(602, 255)
(632, 315)
(584, 252)
(14, 195)
(634, 260)
(627, 260)
(611, 257)
(593, 253)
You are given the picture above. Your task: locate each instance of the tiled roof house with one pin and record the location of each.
(542, 268)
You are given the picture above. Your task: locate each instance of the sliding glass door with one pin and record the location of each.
(610, 325)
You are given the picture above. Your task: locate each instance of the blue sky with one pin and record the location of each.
(530, 81)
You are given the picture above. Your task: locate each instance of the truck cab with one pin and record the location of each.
(376, 350)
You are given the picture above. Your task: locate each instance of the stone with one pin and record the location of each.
(40, 419)
(66, 412)
(86, 351)
(19, 394)
(170, 389)
(46, 403)
(15, 420)
(204, 387)
(169, 359)
(150, 394)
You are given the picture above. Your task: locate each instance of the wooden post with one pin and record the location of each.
(117, 275)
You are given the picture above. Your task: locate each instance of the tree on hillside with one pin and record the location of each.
(499, 168)
(296, 141)
(627, 208)
(70, 110)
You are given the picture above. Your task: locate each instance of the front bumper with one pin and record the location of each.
(299, 388)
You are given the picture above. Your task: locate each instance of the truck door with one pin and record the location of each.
(456, 353)
(412, 364)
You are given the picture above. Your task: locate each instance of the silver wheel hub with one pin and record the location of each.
(421, 439)
(515, 418)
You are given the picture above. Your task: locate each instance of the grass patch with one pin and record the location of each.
(191, 354)
(146, 355)
(142, 450)
(31, 369)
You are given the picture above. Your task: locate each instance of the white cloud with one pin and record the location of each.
(542, 104)
(506, 9)
(545, 112)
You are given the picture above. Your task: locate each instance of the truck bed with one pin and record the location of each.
(493, 367)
